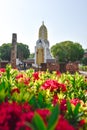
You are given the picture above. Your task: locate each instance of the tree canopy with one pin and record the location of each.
(67, 51)
(23, 51)
(84, 61)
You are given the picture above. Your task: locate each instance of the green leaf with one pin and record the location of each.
(69, 108)
(76, 110)
(40, 99)
(38, 122)
(2, 95)
(53, 118)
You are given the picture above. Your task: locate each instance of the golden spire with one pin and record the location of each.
(43, 32)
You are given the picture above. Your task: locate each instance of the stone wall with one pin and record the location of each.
(72, 67)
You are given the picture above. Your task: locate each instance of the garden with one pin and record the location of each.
(41, 100)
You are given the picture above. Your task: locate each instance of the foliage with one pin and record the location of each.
(67, 51)
(23, 51)
(31, 55)
(5, 51)
(42, 100)
(83, 67)
(84, 61)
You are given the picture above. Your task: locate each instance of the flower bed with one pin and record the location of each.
(42, 100)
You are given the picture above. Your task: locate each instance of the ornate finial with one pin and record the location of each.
(42, 22)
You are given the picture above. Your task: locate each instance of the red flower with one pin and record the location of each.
(26, 107)
(55, 100)
(2, 70)
(63, 106)
(23, 79)
(82, 122)
(9, 115)
(28, 116)
(44, 113)
(15, 90)
(63, 124)
(53, 85)
(19, 76)
(63, 87)
(36, 75)
(26, 81)
(13, 116)
(75, 101)
(21, 126)
(58, 73)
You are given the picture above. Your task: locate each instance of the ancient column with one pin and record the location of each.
(14, 50)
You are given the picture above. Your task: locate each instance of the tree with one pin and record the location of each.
(31, 55)
(67, 51)
(23, 51)
(84, 60)
(5, 51)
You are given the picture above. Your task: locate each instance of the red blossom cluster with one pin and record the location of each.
(22, 79)
(63, 103)
(53, 85)
(14, 116)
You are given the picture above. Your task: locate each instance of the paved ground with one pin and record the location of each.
(83, 72)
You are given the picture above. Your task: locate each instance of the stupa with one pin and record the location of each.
(42, 51)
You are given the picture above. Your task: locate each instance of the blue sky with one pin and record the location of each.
(64, 19)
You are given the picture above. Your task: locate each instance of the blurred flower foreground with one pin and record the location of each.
(42, 100)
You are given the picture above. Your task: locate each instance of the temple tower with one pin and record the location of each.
(42, 52)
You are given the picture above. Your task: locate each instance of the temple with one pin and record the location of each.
(42, 59)
(42, 51)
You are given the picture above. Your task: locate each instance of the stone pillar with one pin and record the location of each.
(14, 50)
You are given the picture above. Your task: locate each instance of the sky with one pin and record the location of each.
(64, 19)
